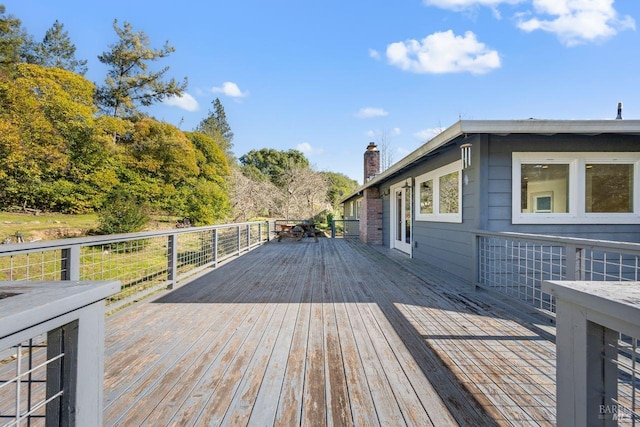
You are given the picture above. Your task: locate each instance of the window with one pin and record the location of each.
(439, 194)
(577, 188)
(609, 188)
(355, 208)
(544, 188)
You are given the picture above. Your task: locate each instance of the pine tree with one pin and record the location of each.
(130, 83)
(221, 121)
(215, 125)
(56, 50)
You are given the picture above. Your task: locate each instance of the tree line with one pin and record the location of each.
(74, 146)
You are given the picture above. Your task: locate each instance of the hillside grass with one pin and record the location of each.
(47, 226)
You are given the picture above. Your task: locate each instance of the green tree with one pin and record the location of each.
(339, 186)
(15, 42)
(204, 202)
(210, 158)
(160, 150)
(33, 150)
(122, 213)
(56, 50)
(215, 125)
(53, 154)
(273, 163)
(129, 82)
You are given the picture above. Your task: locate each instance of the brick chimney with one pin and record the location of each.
(371, 207)
(371, 162)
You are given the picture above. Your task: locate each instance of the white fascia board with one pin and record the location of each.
(505, 127)
(534, 126)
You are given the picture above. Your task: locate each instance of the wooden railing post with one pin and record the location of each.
(575, 262)
(590, 316)
(62, 374)
(333, 228)
(475, 261)
(70, 264)
(239, 243)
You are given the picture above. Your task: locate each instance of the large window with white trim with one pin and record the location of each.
(439, 194)
(575, 188)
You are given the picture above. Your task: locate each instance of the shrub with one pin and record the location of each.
(122, 213)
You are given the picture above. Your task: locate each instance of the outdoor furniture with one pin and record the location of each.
(298, 231)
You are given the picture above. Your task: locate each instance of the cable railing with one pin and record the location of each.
(598, 377)
(143, 262)
(522, 266)
(516, 264)
(51, 352)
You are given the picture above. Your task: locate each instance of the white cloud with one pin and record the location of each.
(367, 112)
(427, 134)
(230, 89)
(443, 52)
(395, 131)
(370, 133)
(374, 54)
(186, 102)
(577, 21)
(308, 150)
(459, 5)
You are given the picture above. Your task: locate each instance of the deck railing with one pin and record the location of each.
(51, 357)
(143, 262)
(345, 228)
(598, 375)
(598, 371)
(515, 264)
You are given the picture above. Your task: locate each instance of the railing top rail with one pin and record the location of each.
(564, 240)
(111, 238)
(37, 302)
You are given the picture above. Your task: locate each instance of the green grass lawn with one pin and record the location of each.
(48, 226)
(45, 225)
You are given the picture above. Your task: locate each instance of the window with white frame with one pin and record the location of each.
(575, 188)
(354, 211)
(439, 194)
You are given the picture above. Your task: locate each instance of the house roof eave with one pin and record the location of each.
(503, 127)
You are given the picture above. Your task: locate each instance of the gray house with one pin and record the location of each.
(577, 178)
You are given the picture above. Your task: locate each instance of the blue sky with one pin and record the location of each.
(328, 77)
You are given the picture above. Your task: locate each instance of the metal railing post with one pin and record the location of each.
(172, 260)
(248, 237)
(215, 248)
(239, 243)
(333, 228)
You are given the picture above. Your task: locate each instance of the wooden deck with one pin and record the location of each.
(328, 333)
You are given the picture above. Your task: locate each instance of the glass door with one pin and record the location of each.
(402, 219)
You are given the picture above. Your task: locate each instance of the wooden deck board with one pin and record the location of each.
(328, 333)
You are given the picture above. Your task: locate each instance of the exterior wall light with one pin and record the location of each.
(466, 155)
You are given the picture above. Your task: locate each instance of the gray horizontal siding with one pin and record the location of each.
(445, 246)
(498, 196)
